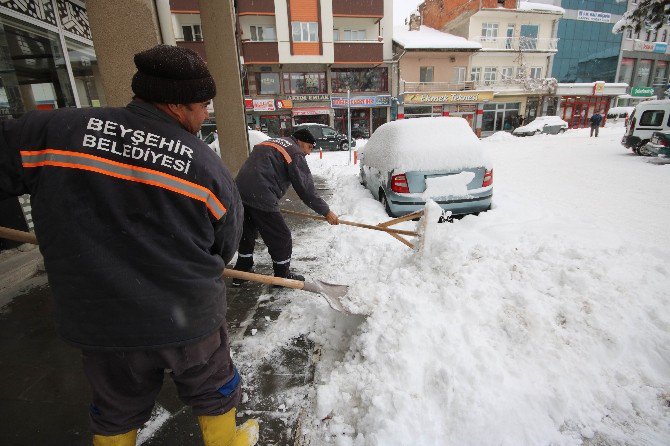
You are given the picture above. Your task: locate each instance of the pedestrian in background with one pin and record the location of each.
(595, 121)
(263, 179)
(136, 218)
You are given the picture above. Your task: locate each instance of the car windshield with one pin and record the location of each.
(327, 131)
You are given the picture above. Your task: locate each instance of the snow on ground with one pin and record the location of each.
(544, 321)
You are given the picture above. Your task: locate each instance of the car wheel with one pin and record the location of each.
(344, 146)
(639, 149)
(561, 130)
(538, 131)
(385, 203)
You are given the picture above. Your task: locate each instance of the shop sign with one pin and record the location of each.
(447, 97)
(598, 88)
(467, 108)
(660, 47)
(361, 101)
(248, 103)
(284, 103)
(311, 111)
(594, 16)
(264, 105)
(642, 92)
(308, 97)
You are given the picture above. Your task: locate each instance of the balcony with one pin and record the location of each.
(358, 8)
(198, 47)
(184, 6)
(255, 7)
(260, 52)
(530, 44)
(369, 51)
(426, 87)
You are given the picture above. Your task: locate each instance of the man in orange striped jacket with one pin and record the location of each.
(136, 218)
(263, 179)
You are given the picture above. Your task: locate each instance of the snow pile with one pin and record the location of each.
(500, 136)
(543, 7)
(430, 38)
(440, 143)
(448, 186)
(256, 137)
(539, 123)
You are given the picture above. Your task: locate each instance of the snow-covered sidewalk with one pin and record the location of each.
(543, 321)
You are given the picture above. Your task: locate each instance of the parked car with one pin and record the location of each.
(542, 124)
(658, 145)
(327, 138)
(647, 118)
(409, 161)
(618, 115)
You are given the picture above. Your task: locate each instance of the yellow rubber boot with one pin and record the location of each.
(127, 439)
(220, 430)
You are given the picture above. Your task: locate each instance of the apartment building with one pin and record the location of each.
(644, 62)
(302, 57)
(518, 41)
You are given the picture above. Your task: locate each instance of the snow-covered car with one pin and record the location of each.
(658, 145)
(542, 124)
(409, 161)
(618, 115)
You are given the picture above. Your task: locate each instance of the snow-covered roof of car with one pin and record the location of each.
(431, 39)
(440, 143)
(616, 110)
(539, 122)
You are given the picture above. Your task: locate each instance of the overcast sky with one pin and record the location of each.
(402, 9)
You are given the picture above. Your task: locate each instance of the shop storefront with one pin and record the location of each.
(469, 105)
(578, 102)
(44, 66)
(367, 113)
(311, 108)
(270, 116)
(500, 116)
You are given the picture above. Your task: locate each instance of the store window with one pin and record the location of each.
(643, 71)
(304, 83)
(426, 74)
(422, 111)
(263, 33)
(500, 116)
(191, 33)
(267, 83)
(660, 73)
(626, 70)
(360, 122)
(305, 31)
(476, 74)
(489, 30)
(359, 79)
(33, 74)
(86, 72)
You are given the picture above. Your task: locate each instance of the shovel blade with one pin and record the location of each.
(331, 291)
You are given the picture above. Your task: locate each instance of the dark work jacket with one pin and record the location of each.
(272, 167)
(135, 218)
(596, 119)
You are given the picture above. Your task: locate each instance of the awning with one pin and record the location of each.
(311, 111)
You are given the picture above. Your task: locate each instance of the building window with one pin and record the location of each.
(655, 36)
(648, 39)
(500, 116)
(336, 34)
(459, 75)
(476, 74)
(359, 79)
(664, 35)
(626, 71)
(305, 31)
(426, 74)
(267, 83)
(263, 34)
(191, 33)
(641, 78)
(490, 75)
(507, 73)
(629, 33)
(489, 30)
(353, 34)
(659, 74)
(304, 83)
(536, 72)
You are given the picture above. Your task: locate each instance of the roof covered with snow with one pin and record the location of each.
(424, 144)
(428, 38)
(540, 7)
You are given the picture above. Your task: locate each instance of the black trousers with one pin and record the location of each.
(594, 128)
(274, 232)
(125, 383)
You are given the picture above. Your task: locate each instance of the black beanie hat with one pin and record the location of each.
(304, 135)
(172, 75)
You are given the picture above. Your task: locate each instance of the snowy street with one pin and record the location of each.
(543, 321)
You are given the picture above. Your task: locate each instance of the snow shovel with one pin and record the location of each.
(332, 292)
(384, 227)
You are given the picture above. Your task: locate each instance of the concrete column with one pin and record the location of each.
(218, 30)
(121, 29)
(165, 22)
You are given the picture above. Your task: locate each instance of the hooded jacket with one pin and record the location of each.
(135, 218)
(271, 168)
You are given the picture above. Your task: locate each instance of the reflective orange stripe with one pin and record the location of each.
(281, 150)
(216, 207)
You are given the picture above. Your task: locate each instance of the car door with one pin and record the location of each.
(315, 130)
(330, 138)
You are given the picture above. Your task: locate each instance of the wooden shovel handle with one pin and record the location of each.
(262, 278)
(18, 236)
(352, 223)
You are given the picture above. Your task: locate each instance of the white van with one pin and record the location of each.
(647, 118)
